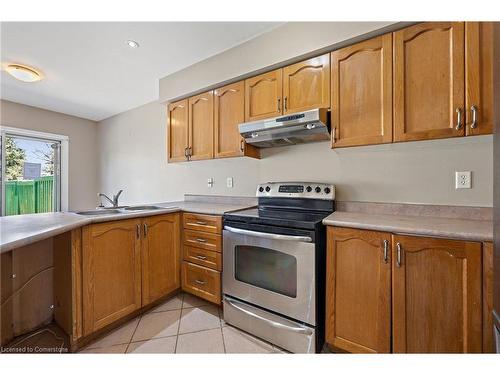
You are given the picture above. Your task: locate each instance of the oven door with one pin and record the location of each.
(273, 271)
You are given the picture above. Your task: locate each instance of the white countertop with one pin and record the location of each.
(462, 229)
(21, 230)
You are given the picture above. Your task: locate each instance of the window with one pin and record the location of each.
(34, 176)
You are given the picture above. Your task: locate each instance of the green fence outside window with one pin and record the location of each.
(29, 197)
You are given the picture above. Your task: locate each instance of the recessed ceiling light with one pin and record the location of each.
(23, 73)
(132, 44)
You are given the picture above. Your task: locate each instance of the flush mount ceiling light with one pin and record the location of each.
(23, 73)
(132, 44)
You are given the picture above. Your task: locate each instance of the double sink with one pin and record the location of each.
(119, 210)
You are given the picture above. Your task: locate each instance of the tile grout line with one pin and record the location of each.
(179, 326)
(221, 332)
(133, 333)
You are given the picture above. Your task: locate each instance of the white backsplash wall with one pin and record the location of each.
(133, 157)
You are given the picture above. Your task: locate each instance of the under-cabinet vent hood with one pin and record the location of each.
(300, 127)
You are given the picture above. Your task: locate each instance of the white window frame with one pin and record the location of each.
(64, 139)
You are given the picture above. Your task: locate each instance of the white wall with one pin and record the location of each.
(286, 42)
(82, 146)
(133, 158)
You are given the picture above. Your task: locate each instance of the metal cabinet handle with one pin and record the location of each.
(386, 251)
(279, 104)
(186, 153)
(242, 145)
(285, 103)
(201, 257)
(473, 124)
(202, 240)
(200, 282)
(145, 229)
(138, 231)
(459, 118)
(398, 255)
(201, 222)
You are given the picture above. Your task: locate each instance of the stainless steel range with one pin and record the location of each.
(274, 265)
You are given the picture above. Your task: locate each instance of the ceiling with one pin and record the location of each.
(91, 72)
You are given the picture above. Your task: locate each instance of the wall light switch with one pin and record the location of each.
(229, 182)
(210, 182)
(463, 180)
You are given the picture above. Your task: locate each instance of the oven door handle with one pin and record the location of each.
(233, 303)
(271, 236)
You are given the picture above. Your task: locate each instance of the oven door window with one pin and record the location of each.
(266, 268)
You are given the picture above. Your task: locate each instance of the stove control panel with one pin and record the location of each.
(312, 190)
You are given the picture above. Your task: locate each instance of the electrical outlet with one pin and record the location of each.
(210, 182)
(229, 182)
(463, 180)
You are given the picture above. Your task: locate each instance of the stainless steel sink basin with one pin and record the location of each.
(142, 208)
(99, 212)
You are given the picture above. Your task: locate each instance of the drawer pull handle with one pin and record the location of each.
(201, 222)
(202, 240)
(202, 257)
(200, 282)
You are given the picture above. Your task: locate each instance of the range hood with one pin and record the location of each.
(300, 127)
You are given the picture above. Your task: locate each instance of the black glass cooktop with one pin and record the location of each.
(279, 217)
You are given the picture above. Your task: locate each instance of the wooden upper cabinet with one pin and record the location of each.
(429, 81)
(306, 85)
(111, 276)
(229, 112)
(362, 93)
(263, 95)
(436, 296)
(479, 77)
(160, 256)
(358, 290)
(177, 141)
(201, 126)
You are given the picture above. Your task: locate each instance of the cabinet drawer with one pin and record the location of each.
(201, 281)
(203, 223)
(207, 258)
(208, 241)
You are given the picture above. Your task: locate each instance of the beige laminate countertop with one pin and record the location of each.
(22, 230)
(461, 229)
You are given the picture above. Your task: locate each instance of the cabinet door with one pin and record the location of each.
(263, 96)
(160, 256)
(479, 77)
(358, 290)
(429, 81)
(436, 295)
(306, 85)
(201, 126)
(111, 272)
(362, 93)
(177, 131)
(229, 112)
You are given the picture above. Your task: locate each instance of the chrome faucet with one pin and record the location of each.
(113, 201)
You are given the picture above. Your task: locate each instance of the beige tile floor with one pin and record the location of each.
(183, 324)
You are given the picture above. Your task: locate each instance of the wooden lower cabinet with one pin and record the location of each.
(202, 255)
(436, 293)
(111, 272)
(202, 282)
(436, 296)
(161, 250)
(128, 264)
(358, 286)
